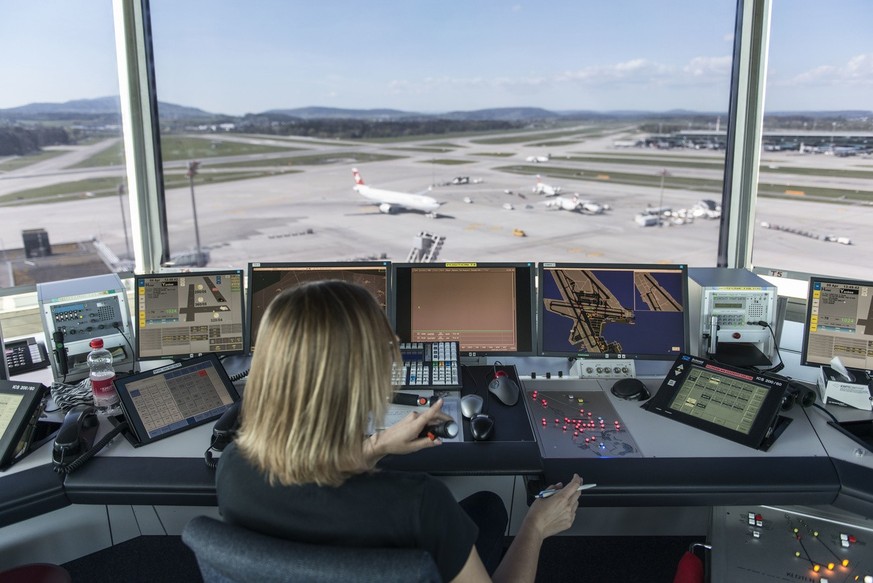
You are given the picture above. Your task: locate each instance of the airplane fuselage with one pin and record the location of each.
(388, 199)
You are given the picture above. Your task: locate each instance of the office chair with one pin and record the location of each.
(232, 554)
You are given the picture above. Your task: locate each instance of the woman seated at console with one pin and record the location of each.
(302, 467)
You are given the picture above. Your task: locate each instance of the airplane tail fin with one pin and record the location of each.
(357, 175)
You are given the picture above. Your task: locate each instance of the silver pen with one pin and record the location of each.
(548, 492)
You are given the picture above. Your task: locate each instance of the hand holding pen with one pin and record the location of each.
(554, 509)
(550, 491)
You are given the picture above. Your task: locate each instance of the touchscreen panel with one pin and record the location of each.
(734, 403)
(167, 400)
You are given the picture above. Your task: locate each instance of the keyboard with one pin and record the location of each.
(429, 365)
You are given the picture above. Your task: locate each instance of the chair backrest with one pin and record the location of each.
(232, 554)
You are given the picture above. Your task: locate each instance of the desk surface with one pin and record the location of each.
(809, 464)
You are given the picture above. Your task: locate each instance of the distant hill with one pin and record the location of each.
(97, 107)
(107, 109)
(339, 113)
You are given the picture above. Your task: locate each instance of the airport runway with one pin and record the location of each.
(314, 215)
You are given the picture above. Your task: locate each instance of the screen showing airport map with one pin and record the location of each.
(602, 310)
(187, 314)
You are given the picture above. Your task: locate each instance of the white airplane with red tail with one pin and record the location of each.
(390, 201)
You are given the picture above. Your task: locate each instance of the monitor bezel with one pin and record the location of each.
(804, 360)
(525, 314)
(680, 267)
(206, 272)
(252, 266)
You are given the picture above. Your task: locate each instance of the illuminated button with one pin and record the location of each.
(852, 539)
(816, 567)
(845, 562)
(756, 534)
(831, 566)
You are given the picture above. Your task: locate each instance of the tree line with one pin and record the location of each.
(18, 141)
(355, 129)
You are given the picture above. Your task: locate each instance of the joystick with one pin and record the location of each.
(444, 429)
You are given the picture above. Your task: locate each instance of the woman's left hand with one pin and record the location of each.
(405, 435)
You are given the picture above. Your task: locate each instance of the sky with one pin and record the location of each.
(227, 56)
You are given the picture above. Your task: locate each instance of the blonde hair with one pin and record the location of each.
(322, 367)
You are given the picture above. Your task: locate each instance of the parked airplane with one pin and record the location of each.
(390, 201)
(545, 189)
(576, 204)
(539, 159)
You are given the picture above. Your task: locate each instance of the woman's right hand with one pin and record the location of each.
(405, 435)
(555, 514)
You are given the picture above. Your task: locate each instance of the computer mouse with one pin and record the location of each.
(481, 427)
(505, 389)
(471, 405)
(630, 389)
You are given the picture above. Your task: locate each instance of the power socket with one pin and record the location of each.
(603, 368)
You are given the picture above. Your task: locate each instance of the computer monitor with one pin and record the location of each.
(612, 311)
(181, 315)
(486, 307)
(268, 280)
(839, 322)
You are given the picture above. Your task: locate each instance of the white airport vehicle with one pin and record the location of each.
(390, 201)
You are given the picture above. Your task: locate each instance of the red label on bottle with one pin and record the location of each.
(104, 391)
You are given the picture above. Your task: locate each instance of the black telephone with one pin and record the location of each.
(74, 443)
(76, 435)
(25, 355)
(223, 433)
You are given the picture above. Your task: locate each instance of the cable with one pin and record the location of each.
(117, 326)
(776, 368)
(239, 376)
(826, 412)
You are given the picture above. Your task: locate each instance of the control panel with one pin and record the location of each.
(577, 423)
(74, 312)
(603, 368)
(763, 543)
(92, 318)
(429, 365)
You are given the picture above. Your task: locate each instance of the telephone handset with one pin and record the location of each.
(223, 432)
(74, 443)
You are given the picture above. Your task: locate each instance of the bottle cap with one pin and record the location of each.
(96, 343)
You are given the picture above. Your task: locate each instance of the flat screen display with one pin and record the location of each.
(604, 311)
(730, 402)
(181, 315)
(268, 280)
(839, 322)
(486, 307)
(164, 401)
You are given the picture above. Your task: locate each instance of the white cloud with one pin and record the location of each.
(858, 70)
(709, 66)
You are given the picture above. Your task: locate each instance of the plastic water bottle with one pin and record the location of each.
(102, 378)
